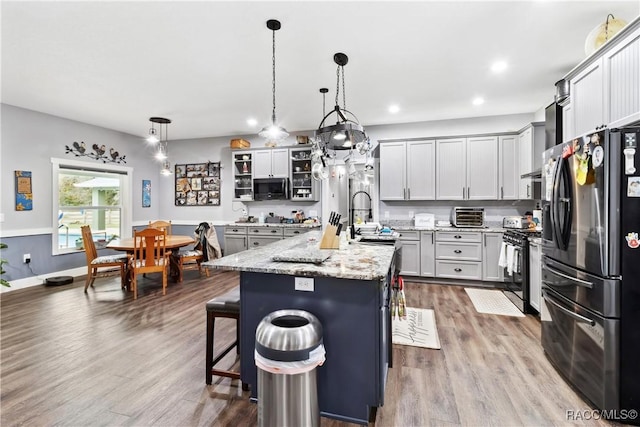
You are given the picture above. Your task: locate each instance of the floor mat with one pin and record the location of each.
(417, 329)
(492, 301)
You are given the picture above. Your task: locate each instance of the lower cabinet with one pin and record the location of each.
(427, 254)
(235, 239)
(492, 243)
(260, 236)
(409, 242)
(535, 275)
(242, 237)
(459, 255)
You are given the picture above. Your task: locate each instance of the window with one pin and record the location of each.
(89, 194)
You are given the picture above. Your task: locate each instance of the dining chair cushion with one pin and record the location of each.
(189, 253)
(141, 263)
(108, 259)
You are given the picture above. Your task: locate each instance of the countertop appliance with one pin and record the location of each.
(591, 265)
(424, 220)
(516, 267)
(270, 188)
(467, 217)
(517, 222)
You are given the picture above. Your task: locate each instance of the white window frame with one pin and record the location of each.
(126, 196)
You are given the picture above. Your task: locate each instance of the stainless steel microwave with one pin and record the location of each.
(270, 188)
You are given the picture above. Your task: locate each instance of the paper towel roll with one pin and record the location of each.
(537, 218)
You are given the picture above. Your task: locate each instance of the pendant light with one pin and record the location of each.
(273, 133)
(161, 153)
(347, 132)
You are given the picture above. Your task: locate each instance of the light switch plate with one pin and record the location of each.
(304, 284)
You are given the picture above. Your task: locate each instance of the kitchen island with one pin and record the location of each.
(348, 293)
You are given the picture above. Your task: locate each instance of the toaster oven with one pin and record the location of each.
(517, 222)
(467, 217)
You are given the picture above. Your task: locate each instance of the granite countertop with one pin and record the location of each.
(489, 228)
(275, 224)
(351, 261)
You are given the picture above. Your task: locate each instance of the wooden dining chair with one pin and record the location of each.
(149, 256)
(101, 266)
(162, 225)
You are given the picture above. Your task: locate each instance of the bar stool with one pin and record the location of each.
(226, 305)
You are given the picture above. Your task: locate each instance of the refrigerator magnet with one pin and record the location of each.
(598, 156)
(633, 186)
(632, 240)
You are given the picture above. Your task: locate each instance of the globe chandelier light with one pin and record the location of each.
(347, 132)
(273, 133)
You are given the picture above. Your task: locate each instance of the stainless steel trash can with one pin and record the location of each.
(288, 350)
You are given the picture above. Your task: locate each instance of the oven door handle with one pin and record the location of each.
(569, 313)
(579, 282)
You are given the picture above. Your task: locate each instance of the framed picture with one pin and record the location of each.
(146, 193)
(24, 195)
(197, 184)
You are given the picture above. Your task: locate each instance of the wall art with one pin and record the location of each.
(97, 152)
(198, 184)
(24, 194)
(146, 193)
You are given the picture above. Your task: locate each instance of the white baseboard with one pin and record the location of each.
(39, 279)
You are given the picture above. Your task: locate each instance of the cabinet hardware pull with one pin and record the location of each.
(463, 192)
(235, 230)
(457, 251)
(296, 232)
(409, 193)
(274, 231)
(457, 236)
(457, 270)
(255, 231)
(528, 195)
(255, 243)
(432, 238)
(502, 192)
(468, 192)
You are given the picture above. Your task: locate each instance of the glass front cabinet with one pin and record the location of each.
(243, 175)
(303, 187)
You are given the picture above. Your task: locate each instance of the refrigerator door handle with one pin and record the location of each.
(579, 282)
(554, 204)
(569, 313)
(566, 204)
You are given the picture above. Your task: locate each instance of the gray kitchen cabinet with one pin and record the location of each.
(289, 232)
(587, 98)
(427, 254)
(482, 168)
(303, 186)
(271, 163)
(451, 168)
(409, 242)
(508, 167)
(535, 275)
(492, 243)
(407, 170)
(459, 255)
(467, 168)
(235, 239)
(530, 145)
(621, 67)
(242, 162)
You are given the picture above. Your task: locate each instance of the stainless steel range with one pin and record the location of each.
(517, 267)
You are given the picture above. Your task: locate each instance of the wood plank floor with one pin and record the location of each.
(103, 359)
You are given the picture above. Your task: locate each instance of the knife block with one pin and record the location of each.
(329, 239)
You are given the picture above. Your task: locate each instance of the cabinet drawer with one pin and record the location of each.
(257, 241)
(288, 232)
(460, 251)
(230, 229)
(458, 269)
(459, 236)
(265, 231)
(409, 235)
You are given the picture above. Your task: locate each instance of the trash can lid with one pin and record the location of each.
(288, 335)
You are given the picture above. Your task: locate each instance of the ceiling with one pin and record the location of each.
(207, 65)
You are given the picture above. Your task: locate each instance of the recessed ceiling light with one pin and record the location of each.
(252, 122)
(478, 101)
(498, 66)
(394, 108)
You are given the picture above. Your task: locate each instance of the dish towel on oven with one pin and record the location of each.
(511, 258)
(502, 260)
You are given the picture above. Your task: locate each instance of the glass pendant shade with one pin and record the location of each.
(166, 168)
(153, 136)
(273, 133)
(161, 153)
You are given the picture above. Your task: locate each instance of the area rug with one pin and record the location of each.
(418, 329)
(492, 301)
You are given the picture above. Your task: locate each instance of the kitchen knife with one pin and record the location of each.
(339, 229)
(338, 216)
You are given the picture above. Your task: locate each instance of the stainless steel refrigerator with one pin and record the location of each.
(591, 266)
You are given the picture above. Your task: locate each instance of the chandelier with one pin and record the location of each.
(155, 137)
(273, 133)
(347, 132)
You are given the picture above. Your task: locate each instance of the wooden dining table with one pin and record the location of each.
(174, 241)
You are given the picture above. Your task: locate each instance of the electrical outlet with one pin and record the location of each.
(26, 258)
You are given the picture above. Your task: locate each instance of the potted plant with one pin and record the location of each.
(3, 261)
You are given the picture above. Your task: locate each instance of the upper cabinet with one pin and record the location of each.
(530, 147)
(508, 167)
(467, 168)
(407, 170)
(272, 163)
(303, 187)
(606, 92)
(242, 175)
